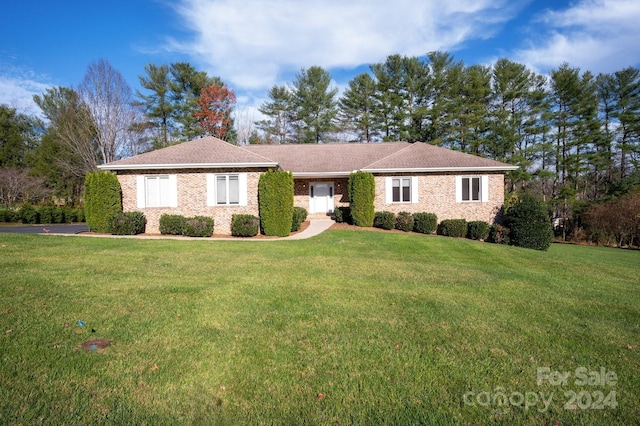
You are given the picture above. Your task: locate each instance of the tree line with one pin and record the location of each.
(575, 135)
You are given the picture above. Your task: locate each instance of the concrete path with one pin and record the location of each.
(316, 226)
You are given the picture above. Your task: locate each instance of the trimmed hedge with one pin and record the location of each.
(244, 225)
(362, 192)
(275, 197)
(529, 223)
(299, 216)
(477, 230)
(384, 220)
(130, 223)
(498, 234)
(198, 226)
(453, 228)
(404, 221)
(102, 199)
(342, 215)
(8, 215)
(425, 223)
(172, 224)
(28, 214)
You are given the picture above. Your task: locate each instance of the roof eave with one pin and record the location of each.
(505, 168)
(320, 175)
(185, 166)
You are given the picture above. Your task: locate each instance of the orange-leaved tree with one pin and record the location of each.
(215, 106)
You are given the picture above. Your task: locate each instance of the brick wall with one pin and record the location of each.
(437, 194)
(192, 198)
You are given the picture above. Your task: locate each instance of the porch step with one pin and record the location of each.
(319, 216)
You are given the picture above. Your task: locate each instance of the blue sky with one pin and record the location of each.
(254, 44)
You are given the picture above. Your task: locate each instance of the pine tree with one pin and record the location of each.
(357, 108)
(315, 105)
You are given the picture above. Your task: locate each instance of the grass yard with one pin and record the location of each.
(350, 327)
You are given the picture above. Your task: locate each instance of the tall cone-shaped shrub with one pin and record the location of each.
(275, 196)
(102, 199)
(362, 193)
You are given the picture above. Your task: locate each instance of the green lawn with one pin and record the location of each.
(350, 327)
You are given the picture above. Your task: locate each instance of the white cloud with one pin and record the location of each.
(17, 88)
(595, 35)
(252, 43)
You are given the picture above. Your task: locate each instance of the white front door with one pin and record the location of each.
(321, 197)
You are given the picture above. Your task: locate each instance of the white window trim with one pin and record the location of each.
(388, 184)
(484, 189)
(211, 189)
(141, 191)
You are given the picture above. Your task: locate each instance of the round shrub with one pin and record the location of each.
(477, 230)
(130, 223)
(198, 226)
(453, 228)
(299, 216)
(404, 221)
(529, 223)
(171, 224)
(244, 225)
(384, 220)
(425, 223)
(342, 215)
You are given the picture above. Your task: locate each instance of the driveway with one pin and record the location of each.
(67, 228)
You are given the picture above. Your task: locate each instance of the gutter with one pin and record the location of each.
(184, 166)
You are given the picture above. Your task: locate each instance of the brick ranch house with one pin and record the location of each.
(210, 177)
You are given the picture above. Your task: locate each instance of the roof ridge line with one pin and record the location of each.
(409, 144)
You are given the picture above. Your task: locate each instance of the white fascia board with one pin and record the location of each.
(320, 174)
(184, 166)
(444, 169)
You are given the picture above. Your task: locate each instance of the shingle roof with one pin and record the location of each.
(312, 159)
(206, 152)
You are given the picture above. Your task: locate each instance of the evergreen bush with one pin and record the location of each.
(404, 221)
(244, 225)
(198, 226)
(299, 216)
(171, 224)
(46, 214)
(529, 223)
(453, 228)
(102, 199)
(362, 192)
(275, 197)
(425, 223)
(342, 215)
(384, 220)
(28, 214)
(477, 230)
(130, 223)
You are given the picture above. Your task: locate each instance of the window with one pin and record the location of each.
(471, 188)
(227, 190)
(157, 191)
(401, 189)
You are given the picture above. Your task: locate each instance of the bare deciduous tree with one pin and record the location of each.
(243, 119)
(108, 98)
(17, 186)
